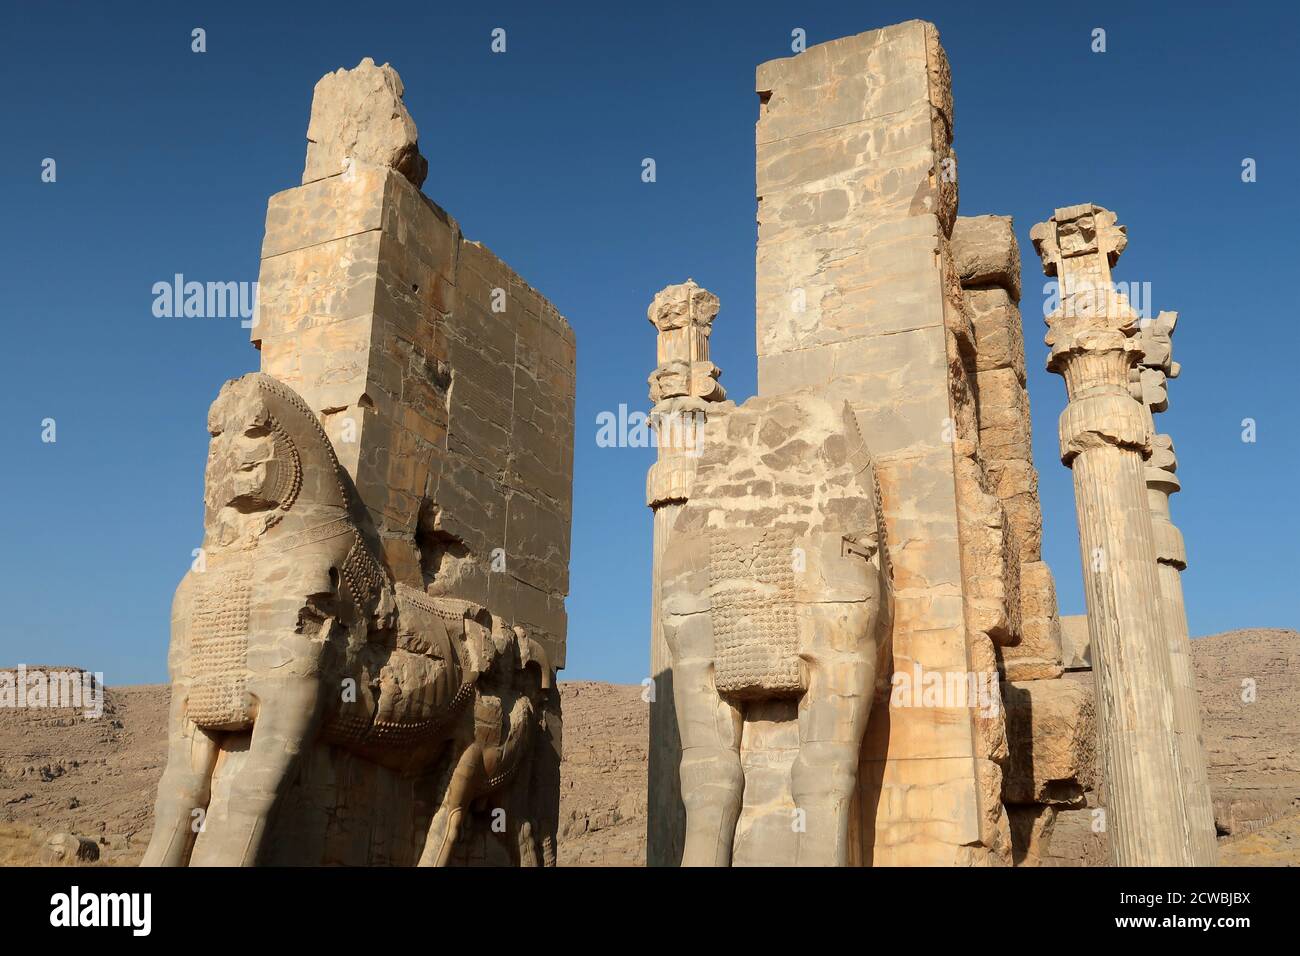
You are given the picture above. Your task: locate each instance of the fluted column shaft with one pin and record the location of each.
(1149, 384)
(1187, 719)
(1135, 704)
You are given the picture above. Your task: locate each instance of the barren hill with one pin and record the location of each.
(62, 772)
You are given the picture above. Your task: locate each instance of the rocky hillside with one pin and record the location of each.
(60, 772)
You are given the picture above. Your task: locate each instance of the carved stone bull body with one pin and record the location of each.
(776, 584)
(288, 633)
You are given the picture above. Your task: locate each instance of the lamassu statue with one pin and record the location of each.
(288, 633)
(776, 585)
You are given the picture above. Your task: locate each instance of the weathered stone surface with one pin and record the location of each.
(776, 603)
(999, 338)
(985, 253)
(288, 604)
(1079, 836)
(1052, 733)
(1031, 832)
(1246, 689)
(445, 381)
(858, 298)
(986, 257)
(1076, 651)
(1148, 383)
(1037, 656)
(1004, 416)
(358, 114)
(684, 387)
(872, 292)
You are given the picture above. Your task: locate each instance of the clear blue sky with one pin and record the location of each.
(166, 158)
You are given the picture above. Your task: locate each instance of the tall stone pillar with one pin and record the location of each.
(1150, 386)
(859, 297)
(1105, 441)
(681, 387)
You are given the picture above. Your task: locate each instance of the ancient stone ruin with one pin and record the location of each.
(363, 657)
(856, 647)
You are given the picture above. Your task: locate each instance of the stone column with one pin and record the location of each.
(681, 386)
(1105, 440)
(1150, 386)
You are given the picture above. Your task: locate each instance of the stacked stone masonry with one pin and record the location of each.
(1049, 730)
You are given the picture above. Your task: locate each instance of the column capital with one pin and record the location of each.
(683, 315)
(1085, 232)
(686, 305)
(1148, 382)
(1078, 245)
(680, 379)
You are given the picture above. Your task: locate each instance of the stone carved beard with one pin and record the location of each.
(249, 480)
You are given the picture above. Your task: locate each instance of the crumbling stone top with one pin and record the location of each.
(679, 306)
(358, 114)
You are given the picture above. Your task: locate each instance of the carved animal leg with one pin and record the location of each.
(465, 778)
(287, 721)
(519, 837)
(185, 787)
(527, 843)
(712, 780)
(544, 785)
(832, 720)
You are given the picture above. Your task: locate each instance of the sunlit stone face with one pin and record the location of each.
(244, 471)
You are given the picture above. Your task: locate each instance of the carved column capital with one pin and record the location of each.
(1085, 239)
(1103, 419)
(1148, 382)
(682, 387)
(684, 305)
(1163, 458)
(684, 316)
(1092, 332)
(680, 379)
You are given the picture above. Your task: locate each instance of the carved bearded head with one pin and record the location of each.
(253, 471)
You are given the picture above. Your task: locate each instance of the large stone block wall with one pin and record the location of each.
(444, 380)
(858, 295)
